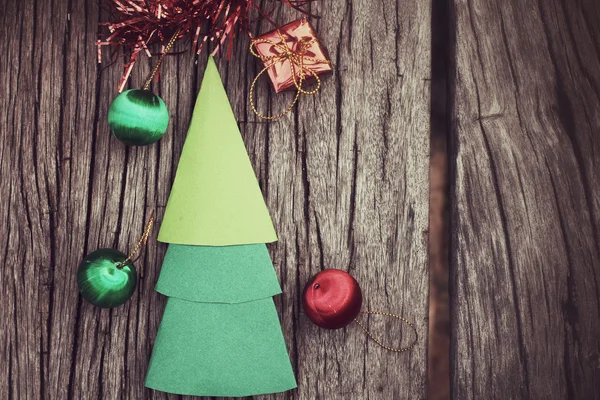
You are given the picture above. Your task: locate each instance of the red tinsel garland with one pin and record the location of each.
(137, 24)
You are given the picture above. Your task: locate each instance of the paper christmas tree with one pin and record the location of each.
(220, 333)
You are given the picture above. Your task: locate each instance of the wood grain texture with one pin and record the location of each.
(525, 263)
(345, 178)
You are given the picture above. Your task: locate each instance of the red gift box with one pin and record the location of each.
(295, 43)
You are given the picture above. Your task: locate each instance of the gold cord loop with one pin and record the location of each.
(296, 60)
(140, 244)
(400, 350)
(160, 60)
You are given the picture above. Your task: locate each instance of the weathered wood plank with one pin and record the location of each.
(525, 258)
(357, 160)
(22, 211)
(345, 178)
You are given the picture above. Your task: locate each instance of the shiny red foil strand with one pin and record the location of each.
(332, 299)
(137, 24)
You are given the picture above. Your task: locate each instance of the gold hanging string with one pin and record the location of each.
(160, 60)
(376, 340)
(140, 244)
(296, 60)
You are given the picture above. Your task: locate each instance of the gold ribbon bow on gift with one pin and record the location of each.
(296, 58)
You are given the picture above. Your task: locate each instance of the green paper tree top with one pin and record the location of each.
(215, 199)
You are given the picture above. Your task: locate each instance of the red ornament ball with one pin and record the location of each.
(332, 299)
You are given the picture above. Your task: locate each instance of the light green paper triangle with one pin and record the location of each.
(215, 199)
(224, 274)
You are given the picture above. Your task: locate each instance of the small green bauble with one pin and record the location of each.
(138, 117)
(103, 281)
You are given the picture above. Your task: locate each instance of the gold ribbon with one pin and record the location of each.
(296, 60)
(140, 244)
(378, 341)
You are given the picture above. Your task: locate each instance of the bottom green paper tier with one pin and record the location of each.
(221, 350)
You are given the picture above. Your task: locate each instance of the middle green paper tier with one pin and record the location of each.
(228, 274)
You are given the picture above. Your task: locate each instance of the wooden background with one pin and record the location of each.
(345, 178)
(525, 220)
(512, 86)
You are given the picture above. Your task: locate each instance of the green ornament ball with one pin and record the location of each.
(138, 117)
(103, 281)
